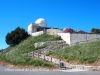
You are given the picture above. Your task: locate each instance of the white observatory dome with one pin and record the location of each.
(41, 22)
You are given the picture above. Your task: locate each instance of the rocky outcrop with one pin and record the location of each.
(39, 44)
(51, 46)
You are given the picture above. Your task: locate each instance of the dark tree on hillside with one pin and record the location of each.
(16, 36)
(95, 30)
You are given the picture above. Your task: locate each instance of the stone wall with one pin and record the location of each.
(81, 38)
(53, 31)
(66, 64)
(48, 31)
(39, 44)
(37, 33)
(78, 38)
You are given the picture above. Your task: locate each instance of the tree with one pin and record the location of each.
(95, 30)
(16, 36)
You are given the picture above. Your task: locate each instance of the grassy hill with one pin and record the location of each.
(81, 53)
(14, 56)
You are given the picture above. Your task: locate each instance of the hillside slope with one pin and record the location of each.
(81, 53)
(14, 56)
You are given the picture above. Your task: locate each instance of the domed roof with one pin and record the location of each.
(41, 22)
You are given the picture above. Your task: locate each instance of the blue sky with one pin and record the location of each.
(76, 14)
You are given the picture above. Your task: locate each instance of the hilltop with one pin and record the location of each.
(86, 53)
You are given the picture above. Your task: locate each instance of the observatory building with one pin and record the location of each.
(39, 25)
(67, 34)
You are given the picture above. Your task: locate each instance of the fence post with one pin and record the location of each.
(33, 54)
(97, 38)
(44, 57)
(38, 54)
(51, 59)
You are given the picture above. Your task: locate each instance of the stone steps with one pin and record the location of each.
(40, 53)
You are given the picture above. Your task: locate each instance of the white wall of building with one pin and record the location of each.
(78, 38)
(65, 37)
(30, 30)
(37, 33)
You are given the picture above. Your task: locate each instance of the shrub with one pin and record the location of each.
(16, 36)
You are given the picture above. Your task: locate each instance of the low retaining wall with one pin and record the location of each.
(76, 38)
(66, 64)
(37, 33)
(39, 44)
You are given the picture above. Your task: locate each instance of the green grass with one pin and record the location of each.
(14, 53)
(83, 53)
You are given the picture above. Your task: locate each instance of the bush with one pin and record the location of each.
(58, 38)
(16, 36)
